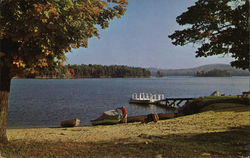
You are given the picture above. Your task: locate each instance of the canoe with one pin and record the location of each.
(150, 117)
(166, 116)
(132, 119)
(105, 121)
(70, 123)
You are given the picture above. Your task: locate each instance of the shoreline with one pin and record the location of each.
(215, 131)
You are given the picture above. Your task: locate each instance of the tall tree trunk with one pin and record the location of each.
(5, 80)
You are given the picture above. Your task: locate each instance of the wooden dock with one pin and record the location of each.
(173, 102)
(145, 98)
(158, 99)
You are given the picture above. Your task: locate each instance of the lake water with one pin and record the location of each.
(45, 103)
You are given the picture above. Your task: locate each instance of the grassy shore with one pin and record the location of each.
(219, 130)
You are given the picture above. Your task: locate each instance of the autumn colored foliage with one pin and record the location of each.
(36, 34)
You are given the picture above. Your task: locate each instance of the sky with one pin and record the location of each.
(140, 39)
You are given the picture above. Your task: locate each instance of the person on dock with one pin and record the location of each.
(124, 114)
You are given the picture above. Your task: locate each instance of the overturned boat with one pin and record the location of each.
(107, 118)
(70, 123)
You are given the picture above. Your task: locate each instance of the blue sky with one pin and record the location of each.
(140, 38)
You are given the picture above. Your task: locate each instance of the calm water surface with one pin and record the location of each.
(45, 103)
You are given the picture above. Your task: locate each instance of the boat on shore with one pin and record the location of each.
(70, 123)
(104, 122)
(107, 118)
(142, 118)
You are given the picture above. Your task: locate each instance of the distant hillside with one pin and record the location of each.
(192, 71)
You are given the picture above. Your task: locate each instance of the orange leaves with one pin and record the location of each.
(45, 11)
(120, 2)
(42, 62)
(67, 49)
(103, 4)
(117, 15)
(96, 10)
(38, 7)
(47, 53)
(18, 63)
(54, 11)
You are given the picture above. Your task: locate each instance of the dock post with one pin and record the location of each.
(133, 96)
(159, 97)
(162, 96)
(143, 96)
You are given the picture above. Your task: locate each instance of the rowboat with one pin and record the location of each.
(105, 121)
(150, 117)
(163, 116)
(140, 118)
(70, 123)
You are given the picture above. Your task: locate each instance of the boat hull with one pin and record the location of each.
(70, 123)
(104, 122)
(140, 118)
(163, 116)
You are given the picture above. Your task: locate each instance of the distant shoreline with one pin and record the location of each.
(138, 77)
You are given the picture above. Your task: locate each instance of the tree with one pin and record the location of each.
(213, 73)
(35, 35)
(218, 27)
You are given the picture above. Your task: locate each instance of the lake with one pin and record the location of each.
(47, 102)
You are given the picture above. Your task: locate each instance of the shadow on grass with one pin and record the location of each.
(234, 142)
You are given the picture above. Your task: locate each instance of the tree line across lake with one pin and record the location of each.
(213, 73)
(93, 71)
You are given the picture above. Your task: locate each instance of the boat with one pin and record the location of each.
(163, 116)
(70, 123)
(150, 117)
(140, 118)
(108, 118)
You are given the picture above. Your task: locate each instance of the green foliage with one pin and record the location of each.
(35, 35)
(213, 73)
(95, 71)
(219, 27)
